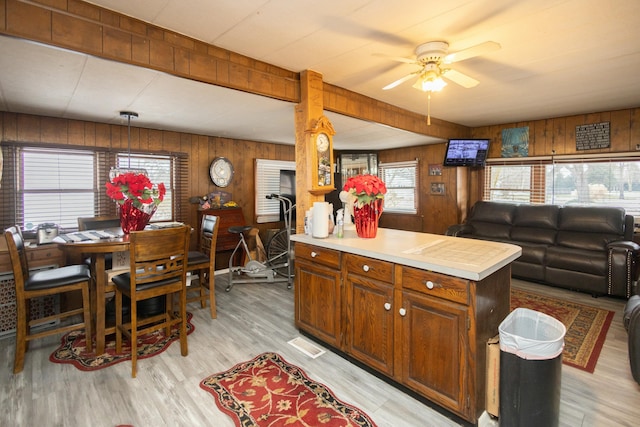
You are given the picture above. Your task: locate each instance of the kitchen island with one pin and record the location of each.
(417, 308)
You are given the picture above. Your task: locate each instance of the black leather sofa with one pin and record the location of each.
(632, 325)
(589, 249)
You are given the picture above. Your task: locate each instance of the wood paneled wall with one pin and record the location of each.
(201, 150)
(435, 212)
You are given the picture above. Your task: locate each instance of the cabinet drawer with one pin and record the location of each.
(368, 267)
(324, 256)
(439, 285)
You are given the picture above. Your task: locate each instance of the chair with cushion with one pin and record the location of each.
(631, 318)
(44, 283)
(203, 262)
(158, 266)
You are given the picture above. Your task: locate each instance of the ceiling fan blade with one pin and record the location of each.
(397, 58)
(459, 78)
(477, 50)
(400, 81)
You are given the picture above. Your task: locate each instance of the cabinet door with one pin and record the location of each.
(317, 301)
(370, 322)
(435, 350)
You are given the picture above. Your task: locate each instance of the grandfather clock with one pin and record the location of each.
(320, 140)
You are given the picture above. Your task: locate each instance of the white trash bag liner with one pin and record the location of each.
(531, 335)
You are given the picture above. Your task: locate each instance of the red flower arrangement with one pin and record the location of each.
(366, 188)
(136, 187)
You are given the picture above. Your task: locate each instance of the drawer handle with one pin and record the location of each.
(402, 312)
(429, 284)
(387, 306)
(366, 268)
(313, 254)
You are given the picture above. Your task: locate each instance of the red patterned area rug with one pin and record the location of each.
(586, 326)
(73, 349)
(268, 392)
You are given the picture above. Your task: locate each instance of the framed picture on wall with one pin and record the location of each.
(435, 169)
(438, 188)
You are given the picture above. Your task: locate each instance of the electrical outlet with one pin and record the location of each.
(638, 147)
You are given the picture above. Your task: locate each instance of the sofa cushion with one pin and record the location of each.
(492, 220)
(537, 216)
(590, 228)
(497, 213)
(590, 262)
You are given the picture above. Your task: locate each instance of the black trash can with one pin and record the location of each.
(531, 345)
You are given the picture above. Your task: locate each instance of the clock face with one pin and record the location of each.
(322, 142)
(221, 171)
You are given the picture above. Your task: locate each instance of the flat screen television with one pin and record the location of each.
(466, 152)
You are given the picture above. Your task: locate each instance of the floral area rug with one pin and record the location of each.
(267, 392)
(586, 326)
(73, 348)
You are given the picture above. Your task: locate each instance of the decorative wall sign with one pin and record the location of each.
(438, 189)
(592, 136)
(515, 142)
(435, 169)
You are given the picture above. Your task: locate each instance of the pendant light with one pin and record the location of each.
(115, 171)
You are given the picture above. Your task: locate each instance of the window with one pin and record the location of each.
(57, 184)
(597, 181)
(401, 179)
(268, 182)
(158, 170)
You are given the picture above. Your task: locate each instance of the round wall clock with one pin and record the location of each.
(221, 171)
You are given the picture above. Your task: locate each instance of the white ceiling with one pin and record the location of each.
(556, 58)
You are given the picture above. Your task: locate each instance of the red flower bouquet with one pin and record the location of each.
(138, 199)
(136, 187)
(366, 188)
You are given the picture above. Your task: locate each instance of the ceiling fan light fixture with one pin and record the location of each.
(430, 82)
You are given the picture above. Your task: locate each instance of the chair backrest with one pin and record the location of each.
(18, 255)
(159, 255)
(98, 222)
(209, 235)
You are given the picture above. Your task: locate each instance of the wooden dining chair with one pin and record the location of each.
(98, 222)
(44, 283)
(158, 266)
(203, 262)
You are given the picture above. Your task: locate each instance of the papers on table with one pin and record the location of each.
(168, 224)
(83, 236)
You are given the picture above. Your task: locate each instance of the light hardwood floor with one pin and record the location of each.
(257, 318)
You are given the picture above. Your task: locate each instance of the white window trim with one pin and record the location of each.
(267, 181)
(409, 163)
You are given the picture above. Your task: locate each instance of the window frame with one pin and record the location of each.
(12, 190)
(546, 168)
(383, 167)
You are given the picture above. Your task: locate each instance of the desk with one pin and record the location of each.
(98, 249)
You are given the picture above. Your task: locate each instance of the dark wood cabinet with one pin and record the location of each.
(369, 312)
(319, 301)
(425, 330)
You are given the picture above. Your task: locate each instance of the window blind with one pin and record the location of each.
(267, 180)
(401, 179)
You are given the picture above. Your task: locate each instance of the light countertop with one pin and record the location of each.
(455, 256)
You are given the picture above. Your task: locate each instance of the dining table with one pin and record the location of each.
(97, 244)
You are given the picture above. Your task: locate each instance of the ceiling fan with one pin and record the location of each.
(433, 59)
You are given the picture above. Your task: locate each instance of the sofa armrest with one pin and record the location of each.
(458, 230)
(624, 266)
